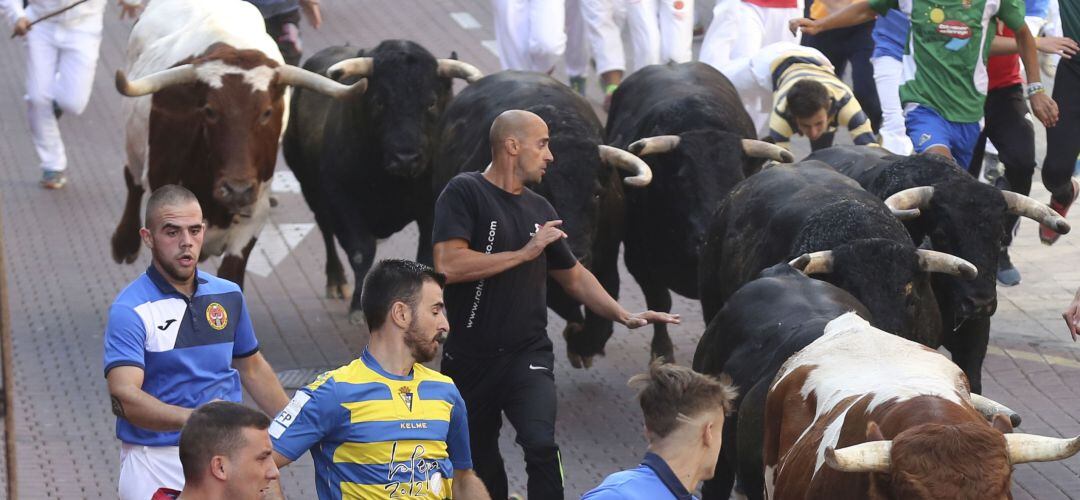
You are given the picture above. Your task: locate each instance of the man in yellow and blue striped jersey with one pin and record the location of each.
(796, 88)
(385, 426)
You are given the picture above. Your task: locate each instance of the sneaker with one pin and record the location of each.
(53, 179)
(1007, 275)
(578, 84)
(1049, 236)
(992, 168)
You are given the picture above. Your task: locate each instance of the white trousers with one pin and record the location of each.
(603, 20)
(738, 29)
(60, 64)
(145, 469)
(577, 41)
(660, 31)
(529, 34)
(888, 73)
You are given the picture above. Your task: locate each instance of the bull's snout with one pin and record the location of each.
(236, 193)
(404, 163)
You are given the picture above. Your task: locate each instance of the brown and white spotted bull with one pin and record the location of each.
(210, 88)
(860, 413)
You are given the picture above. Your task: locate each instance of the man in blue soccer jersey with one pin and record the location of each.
(176, 339)
(385, 426)
(684, 420)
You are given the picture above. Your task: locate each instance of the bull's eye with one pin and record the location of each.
(266, 115)
(210, 114)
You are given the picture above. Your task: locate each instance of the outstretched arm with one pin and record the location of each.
(854, 14)
(580, 284)
(1044, 108)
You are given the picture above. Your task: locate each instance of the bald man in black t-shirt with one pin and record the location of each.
(497, 242)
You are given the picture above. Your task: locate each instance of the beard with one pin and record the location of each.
(421, 346)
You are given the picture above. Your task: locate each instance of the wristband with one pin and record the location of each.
(610, 88)
(1034, 88)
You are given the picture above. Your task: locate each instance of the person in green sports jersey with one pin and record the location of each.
(945, 64)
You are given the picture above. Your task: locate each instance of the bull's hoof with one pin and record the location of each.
(125, 249)
(663, 355)
(578, 361)
(338, 291)
(356, 317)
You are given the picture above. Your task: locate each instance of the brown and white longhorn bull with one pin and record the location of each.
(860, 413)
(210, 99)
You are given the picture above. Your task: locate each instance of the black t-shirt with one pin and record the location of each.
(506, 312)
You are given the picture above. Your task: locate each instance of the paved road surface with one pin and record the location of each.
(62, 281)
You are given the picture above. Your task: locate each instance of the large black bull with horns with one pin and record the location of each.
(364, 163)
(943, 205)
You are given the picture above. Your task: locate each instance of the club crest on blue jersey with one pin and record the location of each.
(216, 316)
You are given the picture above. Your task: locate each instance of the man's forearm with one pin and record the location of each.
(583, 287)
(1028, 54)
(260, 381)
(468, 486)
(464, 265)
(145, 411)
(852, 15)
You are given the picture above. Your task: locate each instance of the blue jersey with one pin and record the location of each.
(373, 434)
(184, 346)
(652, 480)
(891, 35)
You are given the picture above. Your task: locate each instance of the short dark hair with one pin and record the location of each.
(215, 429)
(669, 390)
(394, 280)
(167, 196)
(806, 97)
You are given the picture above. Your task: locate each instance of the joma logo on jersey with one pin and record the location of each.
(406, 396)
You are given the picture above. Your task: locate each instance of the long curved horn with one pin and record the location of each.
(761, 149)
(625, 161)
(452, 68)
(906, 204)
(988, 408)
(156, 81)
(874, 456)
(299, 77)
(940, 262)
(814, 263)
(1024, 448)
(654, 145)
(1025, 206)
(356, 66)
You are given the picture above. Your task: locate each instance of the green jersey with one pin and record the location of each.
(1070, 18)
(945, 60)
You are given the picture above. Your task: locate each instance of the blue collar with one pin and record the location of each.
(374, 365)
(666, 476)
(166, 288)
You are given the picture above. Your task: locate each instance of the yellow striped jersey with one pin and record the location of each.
(376, 435)
(790, 68)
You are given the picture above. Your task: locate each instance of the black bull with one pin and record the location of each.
(761, 325)
(828, 225)
(584, 183)
(957, 215)
(687, 121)
(364, 163)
